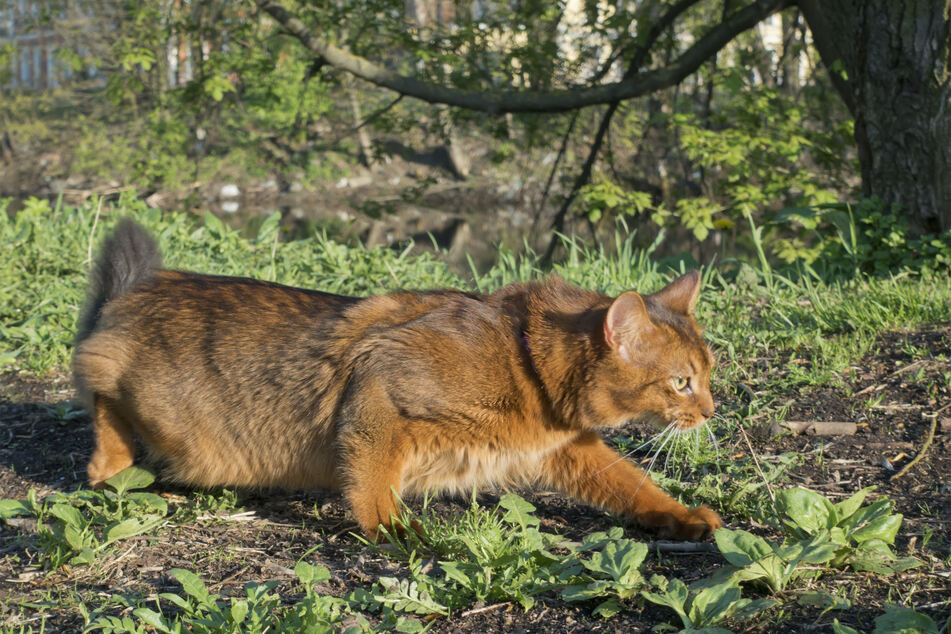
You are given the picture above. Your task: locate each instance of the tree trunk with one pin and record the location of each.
(889, 60)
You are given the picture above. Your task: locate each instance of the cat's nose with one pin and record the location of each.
(707, 413)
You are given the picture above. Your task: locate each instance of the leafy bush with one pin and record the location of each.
(841, 240)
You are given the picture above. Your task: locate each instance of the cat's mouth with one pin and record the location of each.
(683, 425)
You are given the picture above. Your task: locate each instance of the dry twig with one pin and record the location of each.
(924, 447)
(819, 428)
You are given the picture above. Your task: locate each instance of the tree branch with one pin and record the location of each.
(832, 48)
(642, 49)
(639, 83)
(558, 223)
(554, 168)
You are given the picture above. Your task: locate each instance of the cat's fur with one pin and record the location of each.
(240, 382)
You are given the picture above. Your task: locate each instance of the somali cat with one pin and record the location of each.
(234, 381)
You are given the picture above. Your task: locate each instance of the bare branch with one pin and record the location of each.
(558, 223)
(635, 85)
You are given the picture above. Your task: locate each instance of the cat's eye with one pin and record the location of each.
(680, 383)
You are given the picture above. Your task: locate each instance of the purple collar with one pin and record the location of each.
(528, 351)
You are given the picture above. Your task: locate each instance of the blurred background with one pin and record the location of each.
(746, 117)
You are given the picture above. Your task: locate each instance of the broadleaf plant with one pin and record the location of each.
(863, 535)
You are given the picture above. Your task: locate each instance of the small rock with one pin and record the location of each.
(230, 191)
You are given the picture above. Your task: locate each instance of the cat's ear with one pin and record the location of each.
(680, 295)
(626, 319)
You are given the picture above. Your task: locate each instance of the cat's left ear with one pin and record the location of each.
(680, 295)
(626, 321)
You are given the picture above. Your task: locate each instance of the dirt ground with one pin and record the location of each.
(262, 542)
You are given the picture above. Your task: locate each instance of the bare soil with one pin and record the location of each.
(39, 451)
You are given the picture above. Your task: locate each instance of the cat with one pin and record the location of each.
(240, 382)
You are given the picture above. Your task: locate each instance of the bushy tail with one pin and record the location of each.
(128, 257)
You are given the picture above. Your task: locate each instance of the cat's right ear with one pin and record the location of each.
(626, 319)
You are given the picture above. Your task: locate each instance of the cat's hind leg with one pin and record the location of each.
(115, 443)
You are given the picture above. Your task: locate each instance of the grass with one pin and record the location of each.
(774, 333)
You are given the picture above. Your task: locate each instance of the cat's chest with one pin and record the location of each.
(459, 469)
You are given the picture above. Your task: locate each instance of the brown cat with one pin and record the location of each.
(235, 381)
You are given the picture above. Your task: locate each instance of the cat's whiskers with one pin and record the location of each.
(673, 448)
(628, 454)
(713, 437)
(669, 432)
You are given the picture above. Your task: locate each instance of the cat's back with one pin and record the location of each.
(439, 351)
(179, 297)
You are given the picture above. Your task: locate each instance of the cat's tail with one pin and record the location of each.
(129, 257)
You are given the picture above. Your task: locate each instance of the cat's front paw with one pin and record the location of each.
(699, 523)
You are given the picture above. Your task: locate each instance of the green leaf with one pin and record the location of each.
(881, 563)
(838, 628)
(899, 620)
(217, 86)
(883, 528)
(740, 547)
(131, 526)
(152, 501)
(74, 537)
(817, 551)
(215, 226)
(180, 602)
(608, 608)
(409, 596)
(846, 508)
(808, 217)
(805, 509)
(69, 515)
(674, 598)
(583, 592)
(308, 574)
(454, 572)
(85, 557)
(620, 561)
(14, 508)
(744, 608)
(151, 618)
(269, 229)
(133, 477)
(192, 585)
(875, 510)
(239, 610)
(519, 512)
(713, 604)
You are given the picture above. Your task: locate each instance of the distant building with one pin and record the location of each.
(33, 64)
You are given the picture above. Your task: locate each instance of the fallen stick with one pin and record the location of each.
(924, 447)
(682, 547)
(820, 428)
(488, 608)
(910, 366)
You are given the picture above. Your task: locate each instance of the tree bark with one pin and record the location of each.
(889, 60)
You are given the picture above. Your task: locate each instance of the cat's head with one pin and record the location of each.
(657, 365)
